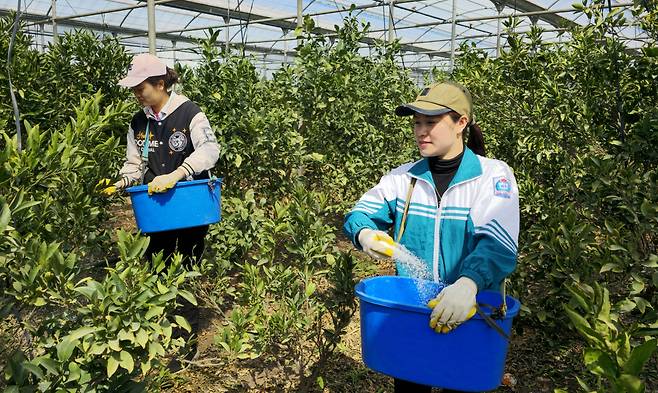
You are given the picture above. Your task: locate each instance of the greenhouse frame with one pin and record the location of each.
(430, 32)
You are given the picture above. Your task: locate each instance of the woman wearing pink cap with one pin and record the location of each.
(169, 140)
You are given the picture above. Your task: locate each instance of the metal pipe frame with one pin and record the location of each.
(458, 20)
(107, 11)
(297, 19)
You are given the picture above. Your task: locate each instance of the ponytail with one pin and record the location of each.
(475, 139)
(474, 133)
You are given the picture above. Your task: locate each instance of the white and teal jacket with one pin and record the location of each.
(471, 231)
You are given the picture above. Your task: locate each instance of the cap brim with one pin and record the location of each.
(422, 107)
(131, 81)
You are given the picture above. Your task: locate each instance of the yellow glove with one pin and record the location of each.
(108, 189)
(164, 183)
(454, 305)
(377, 244)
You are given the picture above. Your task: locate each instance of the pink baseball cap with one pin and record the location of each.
(143, 66)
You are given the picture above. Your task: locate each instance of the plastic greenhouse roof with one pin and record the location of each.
(424, 27)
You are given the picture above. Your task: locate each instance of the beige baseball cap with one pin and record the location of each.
(438, 99)
(143, 66)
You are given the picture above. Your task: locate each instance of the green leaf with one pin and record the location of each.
(645, 331)
(142, 338)
(112, 364)
(625, 305)
(126, 335)
(583, 384)
(639, 356)
(97, 348)
(600, 363)
(582, 326)
(137, 248)
(33, 369)
(81, 332)
(145, 366)
(630, 384)
(651, 262)
(641, 304)
(74, 372)
(155, 348)
(4, 217)
(114, 345)
(577, 295)
(154, 311)
(310, 288)
(188, 296)
(647, 208)
(578, 6)
(25, 205)
(608, 266)
(126, 361)
(46, 362)
(65, 349)
(637, 287)
(87, 291)
(182, 322)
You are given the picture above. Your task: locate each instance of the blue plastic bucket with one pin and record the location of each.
(189, 204)
(396, 339)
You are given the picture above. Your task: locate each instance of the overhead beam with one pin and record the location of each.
(99, 12)
(287, 23)
(554, 20)
(99, 27)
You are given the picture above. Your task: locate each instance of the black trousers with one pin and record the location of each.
(402, 386)
(188, 242)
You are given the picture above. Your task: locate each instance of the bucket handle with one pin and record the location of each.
(211, 186)
(490, 319)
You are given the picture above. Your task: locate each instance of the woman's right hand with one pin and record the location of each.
(110, 190)
(377, 244)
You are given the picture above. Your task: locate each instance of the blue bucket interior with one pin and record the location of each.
(403, 293)
(143, 188)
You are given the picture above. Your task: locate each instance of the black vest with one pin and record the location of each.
(169, 140)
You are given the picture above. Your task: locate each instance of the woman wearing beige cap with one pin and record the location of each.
(169, 140)
(454, 208)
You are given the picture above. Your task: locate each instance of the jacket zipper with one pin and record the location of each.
(436, 263)
(437, 229)
(437, 242)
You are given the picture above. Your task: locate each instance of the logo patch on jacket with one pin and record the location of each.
(502, 187)
(177, 141)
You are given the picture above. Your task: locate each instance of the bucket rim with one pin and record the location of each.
(180, 184)
(514, 305)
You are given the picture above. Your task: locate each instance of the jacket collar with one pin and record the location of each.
(469, 169)
(174, 101)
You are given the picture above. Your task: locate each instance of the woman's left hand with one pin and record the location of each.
(164, 183)
(454, 305)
